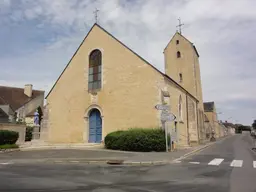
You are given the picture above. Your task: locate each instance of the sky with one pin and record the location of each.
(38, 37)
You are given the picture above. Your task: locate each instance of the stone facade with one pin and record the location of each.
(213, 121)
(130, 88)
(182, 64)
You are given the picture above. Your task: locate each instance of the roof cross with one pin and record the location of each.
(180, 25)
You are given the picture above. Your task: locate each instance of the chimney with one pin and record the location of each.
(28, 90)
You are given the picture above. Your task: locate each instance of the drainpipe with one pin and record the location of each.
(197, 122)
(187, 120)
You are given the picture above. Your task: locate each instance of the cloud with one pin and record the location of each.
(41, 36)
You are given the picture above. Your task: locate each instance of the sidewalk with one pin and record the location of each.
(98, 156)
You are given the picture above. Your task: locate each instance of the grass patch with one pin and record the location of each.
(9, 146)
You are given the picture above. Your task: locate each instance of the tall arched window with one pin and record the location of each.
(95, 61)
(180, 109)
(178, 54)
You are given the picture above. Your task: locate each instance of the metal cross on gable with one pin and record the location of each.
(96, 15)
(180, 25)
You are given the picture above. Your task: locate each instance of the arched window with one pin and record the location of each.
(180, 109)
(95, 61)
(178, 54)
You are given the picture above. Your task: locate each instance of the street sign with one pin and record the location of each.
(162, 107)
(167, 116)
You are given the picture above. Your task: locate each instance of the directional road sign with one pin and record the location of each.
(162, 107)
(167, 116)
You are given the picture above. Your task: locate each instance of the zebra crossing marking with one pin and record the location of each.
(254, 164)
(236, 163)
(216, 161)
(196, 163)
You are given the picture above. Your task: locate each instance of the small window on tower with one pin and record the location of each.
(181, 78)
(178, 54)
(177, 42)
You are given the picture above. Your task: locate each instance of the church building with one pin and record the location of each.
(107, 87)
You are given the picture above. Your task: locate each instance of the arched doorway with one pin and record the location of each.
(95, 126)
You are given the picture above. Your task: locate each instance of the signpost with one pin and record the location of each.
(166, 116)
(162, 107)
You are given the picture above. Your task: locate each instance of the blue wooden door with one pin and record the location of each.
(95, 127)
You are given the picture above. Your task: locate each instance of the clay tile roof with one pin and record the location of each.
(15, 97)
(208, 106)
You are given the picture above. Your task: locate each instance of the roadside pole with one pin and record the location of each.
(166, 116)
(166, 137)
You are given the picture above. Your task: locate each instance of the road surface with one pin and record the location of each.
(226, 166)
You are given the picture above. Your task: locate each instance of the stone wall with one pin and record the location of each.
(192, 119)
(44, 125)
(20, 128)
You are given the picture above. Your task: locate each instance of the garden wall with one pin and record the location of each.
(20, 128)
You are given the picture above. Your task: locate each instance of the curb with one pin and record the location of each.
(145, 163)
(200, 149)
(89, 162)
(193, 152)
(8, 150)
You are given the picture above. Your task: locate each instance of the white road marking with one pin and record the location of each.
(216, 161)
(7, 163)
(254, 164)
(74, 161)
(236, 163)
(196, 163)
(58, 161)
(177, 161)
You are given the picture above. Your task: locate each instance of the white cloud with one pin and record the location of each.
(221, 29)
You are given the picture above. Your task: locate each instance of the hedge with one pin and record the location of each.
(8, 137)
(137, 139)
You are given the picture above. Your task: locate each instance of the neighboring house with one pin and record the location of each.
(210, 112)
(4, 117)
(107, 87)
(18, 103)
(231, 128)
(208, 128)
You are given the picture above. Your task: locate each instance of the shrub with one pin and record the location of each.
(29, 131)
(9, 146)
(8, 137)
(137, 139)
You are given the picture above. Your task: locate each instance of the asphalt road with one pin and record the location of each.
(230, 169)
